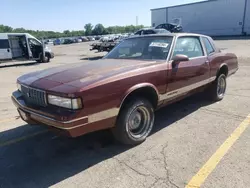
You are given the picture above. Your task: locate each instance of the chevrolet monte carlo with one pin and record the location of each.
(122, 90)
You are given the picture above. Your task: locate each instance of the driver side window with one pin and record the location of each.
(34, 42)
(189, 46)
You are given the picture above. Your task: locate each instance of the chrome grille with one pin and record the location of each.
(34, 96)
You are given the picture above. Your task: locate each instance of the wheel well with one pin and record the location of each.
(223, 70)
(48, 54)
(148, 93)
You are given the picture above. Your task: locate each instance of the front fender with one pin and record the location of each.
(136, 87)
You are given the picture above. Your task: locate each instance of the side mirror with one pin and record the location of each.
(179, 58)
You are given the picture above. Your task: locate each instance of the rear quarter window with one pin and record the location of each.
(209, 48)
(4, 43)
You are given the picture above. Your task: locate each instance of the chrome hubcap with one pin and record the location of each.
(139, 122)
(135, 120)
(221, 87)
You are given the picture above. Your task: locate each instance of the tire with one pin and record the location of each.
(46, 59)
(135, 122)
(218, 88)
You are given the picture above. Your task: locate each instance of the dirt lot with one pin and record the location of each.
(188, 137)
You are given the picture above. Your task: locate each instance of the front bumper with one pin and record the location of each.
(29, 114)
(72, 127)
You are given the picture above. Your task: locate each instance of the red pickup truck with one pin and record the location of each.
(122, 90)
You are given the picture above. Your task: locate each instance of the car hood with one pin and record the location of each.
(80, 75)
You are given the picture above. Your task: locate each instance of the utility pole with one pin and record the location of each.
(136, 21)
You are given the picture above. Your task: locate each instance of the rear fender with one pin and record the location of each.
(223, 64)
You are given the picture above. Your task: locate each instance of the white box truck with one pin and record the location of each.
(23, 46)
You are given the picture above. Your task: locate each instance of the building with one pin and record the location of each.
(214, 17)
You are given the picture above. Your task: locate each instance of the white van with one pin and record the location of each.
(23, 46)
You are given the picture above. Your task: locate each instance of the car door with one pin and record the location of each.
(187, 75)
(213, 57)
(5, 51)
(35, 47)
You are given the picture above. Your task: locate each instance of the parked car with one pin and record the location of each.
(48, 41)
(90, 38)
(121, 91)
(68, 41)
(57, 42)
(98, 45)
(84, 39)
(148, 31)
(110, 43)
(97, 37)
(171, 27)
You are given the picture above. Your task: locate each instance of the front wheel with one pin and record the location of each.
(218, 88)
(134, 122)
(46, 59)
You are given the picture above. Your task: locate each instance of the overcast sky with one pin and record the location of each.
(59, 15)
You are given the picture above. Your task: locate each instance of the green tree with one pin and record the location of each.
(66, 33)
(81, 32)
(5, 29)
(98, 30)
(110, 30)
(88, 29)
(19, 30)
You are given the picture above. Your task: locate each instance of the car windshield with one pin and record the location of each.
(145, 48)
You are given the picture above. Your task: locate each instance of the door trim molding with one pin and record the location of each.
(184, 90)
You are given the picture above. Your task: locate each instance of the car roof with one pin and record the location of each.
(170, 35)
(151, 28)
(170, 23)
(17, 34)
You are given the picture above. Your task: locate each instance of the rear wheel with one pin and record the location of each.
(134, 122)
(218, 88)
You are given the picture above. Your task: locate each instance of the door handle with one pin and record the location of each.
(8, 50)
(206, 61)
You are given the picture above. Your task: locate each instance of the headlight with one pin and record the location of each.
(65, 102)
(19, 86)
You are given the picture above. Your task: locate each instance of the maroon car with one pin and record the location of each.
(121, 91)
